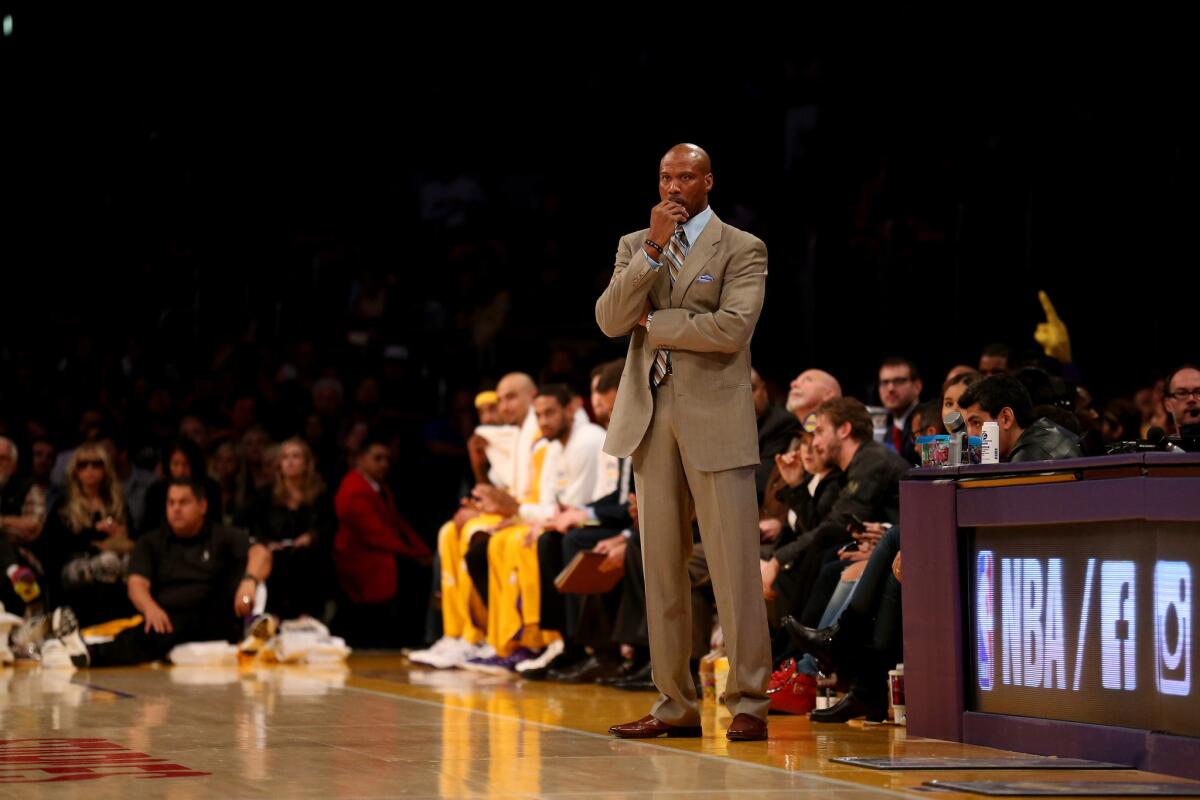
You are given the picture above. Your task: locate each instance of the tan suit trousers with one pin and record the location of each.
(668, 488)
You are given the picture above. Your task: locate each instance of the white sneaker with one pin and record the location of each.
(445, 648)
(473, 652)
(450, 656)
(501, 665)
(552, 651)
(456, 658)
(66, 630)
(55, 656)
(63, 618)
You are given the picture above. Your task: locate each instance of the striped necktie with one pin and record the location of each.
(677, 249)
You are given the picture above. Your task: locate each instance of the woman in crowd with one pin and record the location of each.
(294, 518)
(954, 389)
(85, 544)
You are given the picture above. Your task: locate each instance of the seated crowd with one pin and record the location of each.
(829, 489)
(225, 530)
(200, 550)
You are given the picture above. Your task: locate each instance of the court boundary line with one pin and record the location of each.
(647, 744)
(94, 688)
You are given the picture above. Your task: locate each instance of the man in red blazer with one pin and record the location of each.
(381, 561)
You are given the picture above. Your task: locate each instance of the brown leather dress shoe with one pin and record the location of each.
(649, 726)
(746, 728)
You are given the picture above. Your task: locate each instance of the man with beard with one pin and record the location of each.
(843, 438)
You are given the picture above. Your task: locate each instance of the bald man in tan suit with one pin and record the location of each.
(688, 290)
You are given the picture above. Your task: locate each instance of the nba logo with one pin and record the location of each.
(985, 619)
(1173, 628)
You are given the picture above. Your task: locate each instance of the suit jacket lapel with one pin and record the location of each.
(700, 253)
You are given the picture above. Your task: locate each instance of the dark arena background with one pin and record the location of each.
(237, 229)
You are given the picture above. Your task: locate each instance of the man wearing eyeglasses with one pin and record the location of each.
(1182, 400)
(899, 391)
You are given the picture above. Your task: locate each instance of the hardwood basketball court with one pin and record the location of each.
(378, 728)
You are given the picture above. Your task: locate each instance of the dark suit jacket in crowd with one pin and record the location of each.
(908, 445)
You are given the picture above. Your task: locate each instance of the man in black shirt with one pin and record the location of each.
(192, 581)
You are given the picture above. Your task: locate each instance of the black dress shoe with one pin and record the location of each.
(624, 671)
(557, 667)
(639, 681)
(849, 707)
(586, 671)
(819, 643)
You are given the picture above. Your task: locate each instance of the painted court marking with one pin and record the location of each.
(56, 760)
(725, 760)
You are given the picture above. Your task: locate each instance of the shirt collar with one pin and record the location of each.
(695, 226)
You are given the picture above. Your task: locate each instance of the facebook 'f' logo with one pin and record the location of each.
(1118, 625)
(1173, 627)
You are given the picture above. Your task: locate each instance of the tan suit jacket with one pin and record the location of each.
(706, 322)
